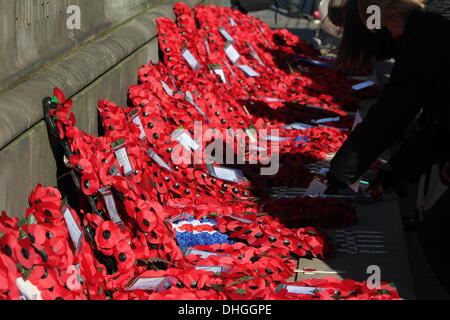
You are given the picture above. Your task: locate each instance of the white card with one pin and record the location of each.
(240, 219)
(155, 284)
(302, 290)
(232, 22)
(230, 69)
(124, 161)
(207, 46)
(274, 99)
(190, 99)
(231, 53)
(158, 160)
(28, 290)
(226, 174)
(255, 55)
(325, 120)
(363, 85)
(185, 139)
(275, 138)
(358, 120)
(219, 71)
(167, 88)
(74, 231)
(249, 72)
(190, 59)
(110, 205)
(202, 254)
(225, 34)
(315, 188)
(137, 121)
(215, 269)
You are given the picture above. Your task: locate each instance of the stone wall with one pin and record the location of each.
(100, 61)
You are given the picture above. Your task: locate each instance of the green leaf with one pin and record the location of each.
(26, 274)
(22, 235)
(383, 291)
(1, 234)
(241, 291)
(246, 278)
(392, 285)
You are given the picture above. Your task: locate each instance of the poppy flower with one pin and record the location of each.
(90, 184)
(26, 255)
(124, 255)
(107, 235)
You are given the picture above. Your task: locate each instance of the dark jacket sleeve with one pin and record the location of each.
(399, 103)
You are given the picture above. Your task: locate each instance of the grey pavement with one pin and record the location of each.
(425, 285)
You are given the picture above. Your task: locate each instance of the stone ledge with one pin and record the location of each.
(21, 106)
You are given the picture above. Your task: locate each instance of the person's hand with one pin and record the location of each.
(445, 172)
(383, 180)
(376, 189)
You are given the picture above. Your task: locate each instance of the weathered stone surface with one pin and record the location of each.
(102, 69)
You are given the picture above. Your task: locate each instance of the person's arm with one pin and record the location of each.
(400, 101)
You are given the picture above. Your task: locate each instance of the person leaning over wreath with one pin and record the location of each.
(419, 83)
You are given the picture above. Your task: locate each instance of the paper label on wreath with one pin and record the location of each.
(110, 205)
(215, 269)
(230, 69)
(249, 72)
(208, 50)
(183, 137)
(74, 230)
(301, 289)
(363, 85)
(217, 69)
(232, 53)
(273, 99)
(181, 216)
(254, 54)
(358, 120)
(190, 59)
(137, 121)
(261, 28)
(315, 188)
(225, 34)
(122, 156)
(239, 219)
(203, 254)
(155, 157)
(325, 120)
(227, 174)
(190, 99)
(154, 284)
(275, 138)
(167, 88)
(28, 290)
(233, 22)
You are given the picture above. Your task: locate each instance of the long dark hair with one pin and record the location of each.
(361, 47)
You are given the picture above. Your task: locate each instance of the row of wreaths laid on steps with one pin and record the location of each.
(142, 224)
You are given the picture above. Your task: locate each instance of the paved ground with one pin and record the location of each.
(424, 283)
